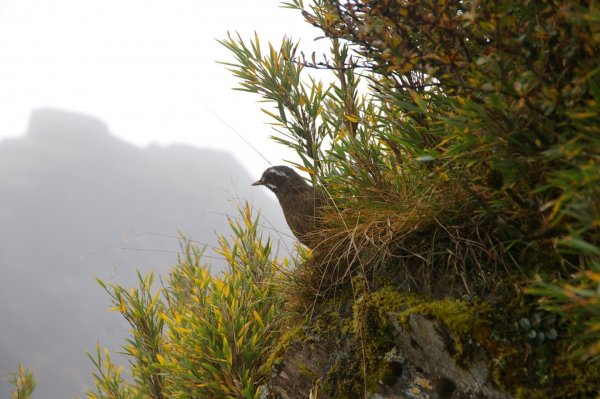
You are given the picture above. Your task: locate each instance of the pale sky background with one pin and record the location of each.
(145, 68)
(142, 66)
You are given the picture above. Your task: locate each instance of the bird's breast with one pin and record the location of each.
(299, 210)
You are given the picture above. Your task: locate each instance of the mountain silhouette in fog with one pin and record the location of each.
(75, 203)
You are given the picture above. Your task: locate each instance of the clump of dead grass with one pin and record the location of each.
(432, 244)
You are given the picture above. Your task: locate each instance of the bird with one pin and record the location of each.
(299, 201)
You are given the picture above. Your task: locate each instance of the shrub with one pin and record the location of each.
(459, 142)
(201, 335)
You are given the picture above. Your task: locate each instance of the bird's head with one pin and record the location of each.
(278, 178)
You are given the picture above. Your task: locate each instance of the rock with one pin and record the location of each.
(301, 367)
(426, 345)
(424, 366)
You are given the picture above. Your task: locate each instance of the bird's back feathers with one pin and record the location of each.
(300, 202)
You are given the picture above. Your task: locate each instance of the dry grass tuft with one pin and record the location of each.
(429, 244)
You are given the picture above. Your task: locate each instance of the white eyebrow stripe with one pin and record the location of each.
(277, 172)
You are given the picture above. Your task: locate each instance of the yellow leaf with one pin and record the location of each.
(582, 115)
(341, 134)
(593, 276)
(418, 100)
(183, 330)
(259, 319)
(160, 359)
(154, 300)
(307, 170)
(352, 118)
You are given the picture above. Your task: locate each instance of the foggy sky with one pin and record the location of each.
(146, 67)
(76, 203)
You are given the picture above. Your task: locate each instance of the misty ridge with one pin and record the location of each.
(76, 203)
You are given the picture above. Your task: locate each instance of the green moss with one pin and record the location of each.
(305, 371)
(358, 333)
(574, 376)
(467, 322)
(524, 393)
(458, 316)
(276, 354)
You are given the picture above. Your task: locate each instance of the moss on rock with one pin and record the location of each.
(357, 335)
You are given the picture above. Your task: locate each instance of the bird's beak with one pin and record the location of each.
(258, 183)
